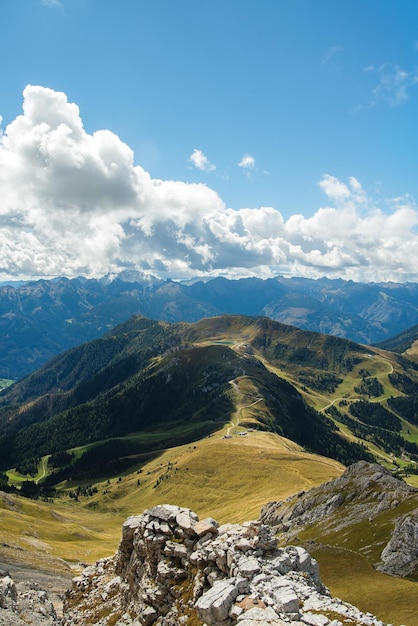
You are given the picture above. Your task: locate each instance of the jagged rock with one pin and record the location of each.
(260, 617)
(248, 566)
(28, 605)
(367, 487)
(171, 569)
(315, 620)
(215, 604)
(166, 512)
(8, 593)
(400, 556)
(187, 521)
(286, 600)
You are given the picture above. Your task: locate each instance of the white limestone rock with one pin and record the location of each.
(248, 566)
(8, 593)
(214, 605)
(208, 525)
(260, 617)
(187, 520)
(170, 566)
(28, 605)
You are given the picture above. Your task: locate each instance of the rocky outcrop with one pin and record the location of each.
(172, 568)
(365, 493)
(400, 556)
(26, 604)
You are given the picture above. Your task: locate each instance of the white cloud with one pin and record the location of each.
(334, 189)
(351, 195)
(74, 203)
(247, 162)
(201, 162)
(394, 84)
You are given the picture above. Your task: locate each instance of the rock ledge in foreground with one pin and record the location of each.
(172, 568)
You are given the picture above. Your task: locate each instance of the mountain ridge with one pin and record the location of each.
(40, 319)
(154, 373)
(186, 380)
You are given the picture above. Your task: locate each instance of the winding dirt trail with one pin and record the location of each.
(358, 399)
(44, 464)
(240, 408)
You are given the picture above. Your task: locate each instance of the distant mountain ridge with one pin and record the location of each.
(43, 318)
(146, 375)
(183, 381)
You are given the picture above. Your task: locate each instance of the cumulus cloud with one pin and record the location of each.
(75, 203)
(201, 162)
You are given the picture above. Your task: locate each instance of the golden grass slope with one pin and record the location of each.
(229, 479)
(351, 577)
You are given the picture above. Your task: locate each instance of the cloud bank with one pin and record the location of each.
(74, 203)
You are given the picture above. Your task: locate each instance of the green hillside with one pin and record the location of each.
(220, 416)
(403, 343)
(150, 385)
(176, 379)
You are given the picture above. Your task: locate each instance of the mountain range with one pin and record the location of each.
(40, 319)
(183, 381)
(221, 415)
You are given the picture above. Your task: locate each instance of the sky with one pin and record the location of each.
(199, 138)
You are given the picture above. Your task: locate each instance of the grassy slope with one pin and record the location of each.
(229, 479)
(351, 577)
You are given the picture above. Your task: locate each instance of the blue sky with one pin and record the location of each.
(276, 136)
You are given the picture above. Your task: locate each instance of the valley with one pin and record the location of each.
(220, 416)
(209, 313)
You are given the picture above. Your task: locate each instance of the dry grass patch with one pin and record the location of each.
(229, 479)
(41, 532)
(350, 577)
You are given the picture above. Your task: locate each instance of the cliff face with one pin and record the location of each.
(173, 569)
(400, 556)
